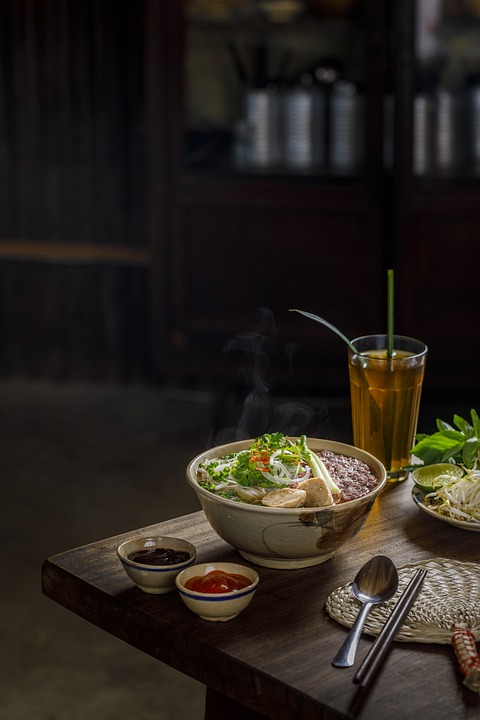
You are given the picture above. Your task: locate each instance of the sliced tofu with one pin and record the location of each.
(286, 497)
(317, 492)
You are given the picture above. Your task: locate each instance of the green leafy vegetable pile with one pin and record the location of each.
(458, 443)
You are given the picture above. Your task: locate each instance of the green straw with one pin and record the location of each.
(390, 315)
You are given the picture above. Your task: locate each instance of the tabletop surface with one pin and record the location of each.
(275, 657)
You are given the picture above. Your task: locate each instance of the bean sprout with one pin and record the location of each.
(459, 498)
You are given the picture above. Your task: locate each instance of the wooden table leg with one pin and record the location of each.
(219, 707)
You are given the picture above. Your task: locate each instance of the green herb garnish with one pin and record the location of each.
(272, 460)
(458, 443)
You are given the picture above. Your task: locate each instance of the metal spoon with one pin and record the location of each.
(375, 582)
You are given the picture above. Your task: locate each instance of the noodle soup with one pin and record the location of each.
(288, 537)
(278, 465)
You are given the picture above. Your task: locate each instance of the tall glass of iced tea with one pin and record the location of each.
(385, 398)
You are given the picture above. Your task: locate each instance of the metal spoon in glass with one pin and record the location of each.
(375, 582)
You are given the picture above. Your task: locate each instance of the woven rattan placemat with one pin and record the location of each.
(450, 594)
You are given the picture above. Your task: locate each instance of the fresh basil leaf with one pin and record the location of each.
(427, 455)
(459, 446)
(465, 428)
(453, 454)
(470, 452)
(420, 436)
(435, 448)
(475, 422)
(445, 438)
(438, 441)
(442, 425)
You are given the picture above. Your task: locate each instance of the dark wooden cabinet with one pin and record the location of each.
(260, 236)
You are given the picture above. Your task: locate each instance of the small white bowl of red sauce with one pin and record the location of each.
(154, 562)
(217, 591)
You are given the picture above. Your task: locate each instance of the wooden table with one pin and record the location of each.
(274, 659)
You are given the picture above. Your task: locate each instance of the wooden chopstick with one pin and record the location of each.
(377, 653)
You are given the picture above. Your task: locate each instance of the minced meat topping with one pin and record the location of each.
(352, 476)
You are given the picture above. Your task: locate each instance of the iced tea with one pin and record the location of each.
(385, 397)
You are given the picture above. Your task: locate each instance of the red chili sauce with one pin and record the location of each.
(159, 556)
(218, 581)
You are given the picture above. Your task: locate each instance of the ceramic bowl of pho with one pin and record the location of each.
(286, 502)
(153, 563)
(217, 591)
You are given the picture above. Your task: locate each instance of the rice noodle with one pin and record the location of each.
(250, 493)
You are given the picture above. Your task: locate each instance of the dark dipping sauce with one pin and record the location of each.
(159, 556)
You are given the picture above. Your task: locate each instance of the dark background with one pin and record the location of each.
(123, 258)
